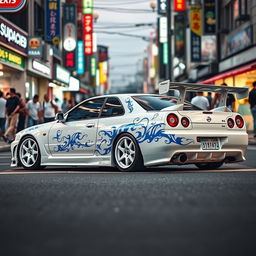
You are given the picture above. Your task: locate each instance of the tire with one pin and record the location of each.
(209, 166)
(127, 154)
(29, 155)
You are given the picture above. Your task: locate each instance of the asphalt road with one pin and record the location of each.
(174, 211)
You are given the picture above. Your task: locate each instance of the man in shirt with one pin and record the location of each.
(200, 101)
(49, 109)
(12, 110)
(2, 113)
(33, 108)
(252, 101)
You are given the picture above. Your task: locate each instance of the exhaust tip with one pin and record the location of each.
(179, 158)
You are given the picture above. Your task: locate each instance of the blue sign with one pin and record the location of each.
(80, 57)
(52, 21)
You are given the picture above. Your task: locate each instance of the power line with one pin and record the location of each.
(122, 10)
(124, 34)
(126, 3)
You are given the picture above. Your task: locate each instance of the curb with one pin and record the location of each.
(5, 148)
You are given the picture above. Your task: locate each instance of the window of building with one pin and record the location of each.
(87, 110)
(38, 20)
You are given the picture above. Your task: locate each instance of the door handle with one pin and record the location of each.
(90, 125)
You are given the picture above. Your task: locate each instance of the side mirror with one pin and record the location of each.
(60, 117)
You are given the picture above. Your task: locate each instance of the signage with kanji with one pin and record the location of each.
(52, 21)
(87, 6)
(88, 29)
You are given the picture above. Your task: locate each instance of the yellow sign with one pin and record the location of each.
(196, 19)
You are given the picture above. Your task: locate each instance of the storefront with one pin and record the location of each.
(13, 52)
(38, 77)
(238, 75)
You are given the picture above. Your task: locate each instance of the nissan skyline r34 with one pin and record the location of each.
(133, 131)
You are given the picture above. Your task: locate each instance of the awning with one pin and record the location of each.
(230, 73)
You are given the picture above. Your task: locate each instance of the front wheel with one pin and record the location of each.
(127, 154)
(209, 166)
(29, 153)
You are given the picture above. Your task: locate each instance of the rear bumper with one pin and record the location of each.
(233, 148)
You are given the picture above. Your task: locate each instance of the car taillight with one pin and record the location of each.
(172, 120)
(239, 122)
(231, 123)
(185, 122)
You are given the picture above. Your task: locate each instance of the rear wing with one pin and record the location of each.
(166, 86)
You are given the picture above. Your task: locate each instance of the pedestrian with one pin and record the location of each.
(12, 110)
(230, 100)
(252, 101)
(33, 108)
(209, 97)
(200, 101)
(72, 103)
(22, 113)
(49, 109)
(2, 113)
(65, 105)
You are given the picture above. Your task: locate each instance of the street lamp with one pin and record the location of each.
(153, 6)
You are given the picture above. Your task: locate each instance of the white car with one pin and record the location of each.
(132, 131)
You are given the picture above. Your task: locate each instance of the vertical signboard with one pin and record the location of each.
(163, 30)
(88, 26)
(52, 21)
(179, 5)
(179, 35)
(196, 32)
(162, 7)
(209, 17)
(70, 36)
(80, 57)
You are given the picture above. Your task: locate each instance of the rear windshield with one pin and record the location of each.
(154, 102)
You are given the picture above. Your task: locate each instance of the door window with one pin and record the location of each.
(87, 110)
(112, 107)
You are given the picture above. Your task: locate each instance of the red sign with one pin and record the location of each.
(12, 6)
(88, 38)
(70, 60)
(179, 5)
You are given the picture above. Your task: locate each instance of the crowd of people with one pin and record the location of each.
(17, 113)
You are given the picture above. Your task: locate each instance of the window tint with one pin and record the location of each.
(86, 110)
(113, 107)
(152, 103)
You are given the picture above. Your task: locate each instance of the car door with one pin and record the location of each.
(77, 134)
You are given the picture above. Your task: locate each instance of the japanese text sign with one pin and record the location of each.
(196, 19)
(88, 29)
(179, 5)
(87, 6)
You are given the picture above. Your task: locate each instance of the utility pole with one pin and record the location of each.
(169, 72)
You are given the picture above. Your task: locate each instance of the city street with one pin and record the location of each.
(164, 211)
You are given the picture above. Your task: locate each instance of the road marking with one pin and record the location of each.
(17, 172)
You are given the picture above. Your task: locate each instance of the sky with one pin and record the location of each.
(126, 53)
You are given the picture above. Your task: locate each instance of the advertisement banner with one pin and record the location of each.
(162, 7)
(35, 48)
(87, 6)
(179, 35)
(102, 53)
(196, 32)
(179, 5)
(12, 59)
(52, 21)
(12, 5)
(88, 38)
(209, 17)
(80, 57)
(208, 48)
(70, 36)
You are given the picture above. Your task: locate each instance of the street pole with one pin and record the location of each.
(169, 72)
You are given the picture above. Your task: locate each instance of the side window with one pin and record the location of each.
(86, 110)
(113, 107)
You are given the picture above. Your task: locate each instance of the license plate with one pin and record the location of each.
(210, 144)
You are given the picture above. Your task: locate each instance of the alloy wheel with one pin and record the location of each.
(28, 152)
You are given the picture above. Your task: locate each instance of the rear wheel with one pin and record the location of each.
(209, 166)
(29, 153)
(127, 154)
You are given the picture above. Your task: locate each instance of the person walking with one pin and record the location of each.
(2, 113)
(252, 101)
(65, 105)
(200, 101)
(33, 108)
(49, 109)
(22, 113)
(12, 110)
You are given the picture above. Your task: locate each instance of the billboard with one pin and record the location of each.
(179, 35)
(209, 17)
(12, 6)
(88, 37)
(208, 48)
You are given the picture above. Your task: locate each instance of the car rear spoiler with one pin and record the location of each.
(166, 86)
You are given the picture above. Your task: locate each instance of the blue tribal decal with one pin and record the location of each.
(69, 142)
(144, 130)
(130, 105)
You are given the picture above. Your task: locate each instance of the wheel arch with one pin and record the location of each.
(114, 143)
